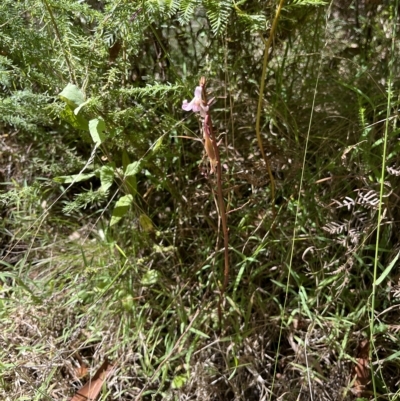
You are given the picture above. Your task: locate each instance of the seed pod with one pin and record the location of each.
(209, 148)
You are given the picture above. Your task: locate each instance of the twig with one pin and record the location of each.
(238, 208)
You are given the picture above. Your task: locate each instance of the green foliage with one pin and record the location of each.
(218, 13)
(302, 3)
(187, 9)
(121, 208)
(110, 232)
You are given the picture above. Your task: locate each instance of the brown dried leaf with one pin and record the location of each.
(361, 369)
(91, 389)
(81, 371)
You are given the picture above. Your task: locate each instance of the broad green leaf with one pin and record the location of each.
(387, 270)
(67, 179)
(130, 180)
(107, 176)
(132, 169)
(79, 108)
(146, 223)
(131, 185)
(96, 128)
(76, 121)
(125, 159)
(150, 277)
(121, 208)
(72, 95)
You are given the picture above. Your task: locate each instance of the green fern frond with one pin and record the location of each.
(84, 199)
(218, 12)
(186, 10)
(252, 22)
(303, 3)
(25, 110)
(164, 7)
(6, 73)
(172, 6)
(152, 91)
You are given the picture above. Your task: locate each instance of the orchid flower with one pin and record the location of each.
(197, 103)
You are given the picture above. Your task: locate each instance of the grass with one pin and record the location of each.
(311, 279)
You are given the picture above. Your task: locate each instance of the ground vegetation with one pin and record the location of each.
(245, 248)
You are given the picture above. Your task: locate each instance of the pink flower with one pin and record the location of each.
(197, 103)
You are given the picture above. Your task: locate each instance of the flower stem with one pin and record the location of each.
(208, 126)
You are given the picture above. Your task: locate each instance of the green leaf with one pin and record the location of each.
(96, 128)
(128, 303)
(67, 179)
(304, 300)
(125, 159)
(392, 357)
(218, 13)
(158, 144)
(387, 270)
(150, 277)
(79, 108)
(72, 95)
(132, 169)
(107, 176)
(130, 180)
(179, 381)
(131, 185)
(146, 223)
(76, 121)
(199, 333)
(121, 208)
(304, 3)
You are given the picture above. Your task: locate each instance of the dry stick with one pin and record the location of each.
(208, 127)
(260, 99)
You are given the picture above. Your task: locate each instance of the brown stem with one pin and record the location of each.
(221, 203)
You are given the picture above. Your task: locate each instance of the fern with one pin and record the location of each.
(163, 7)
(186, 10)
(365, 197)
(83, 199)
(218, 12)
(368, 198)
(25, 110)
(347, 202)
(156, 91)
(336, 227)
(6, 73)
(172, 6)
(252, 22)
(303, 3)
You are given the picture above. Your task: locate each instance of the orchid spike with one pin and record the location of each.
(197, 103)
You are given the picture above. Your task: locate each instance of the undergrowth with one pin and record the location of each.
(112, 243)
